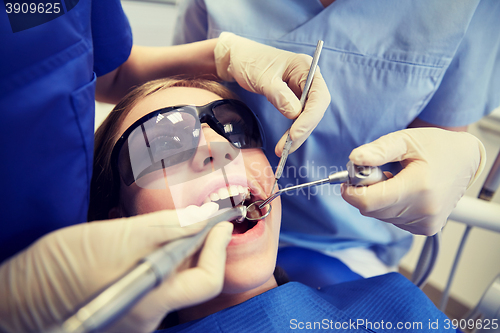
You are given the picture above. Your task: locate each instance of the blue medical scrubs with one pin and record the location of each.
(47, 89)
(385, 63)
(386, 303)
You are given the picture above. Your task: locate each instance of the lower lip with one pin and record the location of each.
(250, 235)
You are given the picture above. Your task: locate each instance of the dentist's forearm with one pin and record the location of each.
(149, 63)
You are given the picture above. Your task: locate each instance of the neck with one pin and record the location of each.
(223, 301)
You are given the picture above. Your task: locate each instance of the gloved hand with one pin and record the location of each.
(277, 74)
(439, 166)
(47, 282)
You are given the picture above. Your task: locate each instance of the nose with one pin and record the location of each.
(214, 151)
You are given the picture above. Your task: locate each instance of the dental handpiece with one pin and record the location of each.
(115, 300)
(303, 97)
(356, 175)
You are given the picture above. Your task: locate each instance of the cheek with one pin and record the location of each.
(136, 201)
(276, 217)
(258, 168)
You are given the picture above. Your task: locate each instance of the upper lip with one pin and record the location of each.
(220, 182)
(257, 191)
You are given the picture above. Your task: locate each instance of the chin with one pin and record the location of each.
(244, 275)
(242, 285)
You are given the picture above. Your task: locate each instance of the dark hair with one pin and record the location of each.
(104, 189)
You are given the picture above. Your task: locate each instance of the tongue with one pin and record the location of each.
(240, 228)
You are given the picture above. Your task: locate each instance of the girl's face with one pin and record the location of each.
(251, 254)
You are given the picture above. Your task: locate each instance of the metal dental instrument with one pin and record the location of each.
(303, 97)
(356, 175)
(149, 273)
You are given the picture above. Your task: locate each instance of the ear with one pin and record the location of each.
(115, 213)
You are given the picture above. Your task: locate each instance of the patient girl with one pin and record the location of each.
(175, 143)
(172, 144)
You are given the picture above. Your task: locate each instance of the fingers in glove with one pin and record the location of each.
(410, 182)
(315, 107)
(427, 226)
(160, 227)
(421, 220)
(316, 104)
(388, 148)
(406, 200)
(283, 88)
(205, 281)
(283, 99)
(184, 288)
(367, 198)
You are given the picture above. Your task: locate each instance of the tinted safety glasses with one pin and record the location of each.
(170, 136)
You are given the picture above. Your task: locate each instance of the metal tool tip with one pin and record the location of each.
(274, 186)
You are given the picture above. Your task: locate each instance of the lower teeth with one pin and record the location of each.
(243, 227)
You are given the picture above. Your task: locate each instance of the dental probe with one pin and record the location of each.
(356, 175)
(303, 97)
(149, 273)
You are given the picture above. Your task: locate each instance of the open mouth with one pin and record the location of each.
(228, 197)
(246, 225)
(233, 196)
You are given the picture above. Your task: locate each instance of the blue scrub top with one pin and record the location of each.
(387, 303)
(385, 63)
(47, 89)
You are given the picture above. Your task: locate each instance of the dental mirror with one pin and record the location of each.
(254, 212)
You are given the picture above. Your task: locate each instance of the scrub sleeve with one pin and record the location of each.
(385, 65)
(47, 89)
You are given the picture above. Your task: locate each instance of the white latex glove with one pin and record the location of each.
(280, 76)
(46, 283)
(439, 166)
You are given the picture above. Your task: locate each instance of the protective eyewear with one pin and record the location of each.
(169, 136)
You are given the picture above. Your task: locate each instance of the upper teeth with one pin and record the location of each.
(224, 193)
